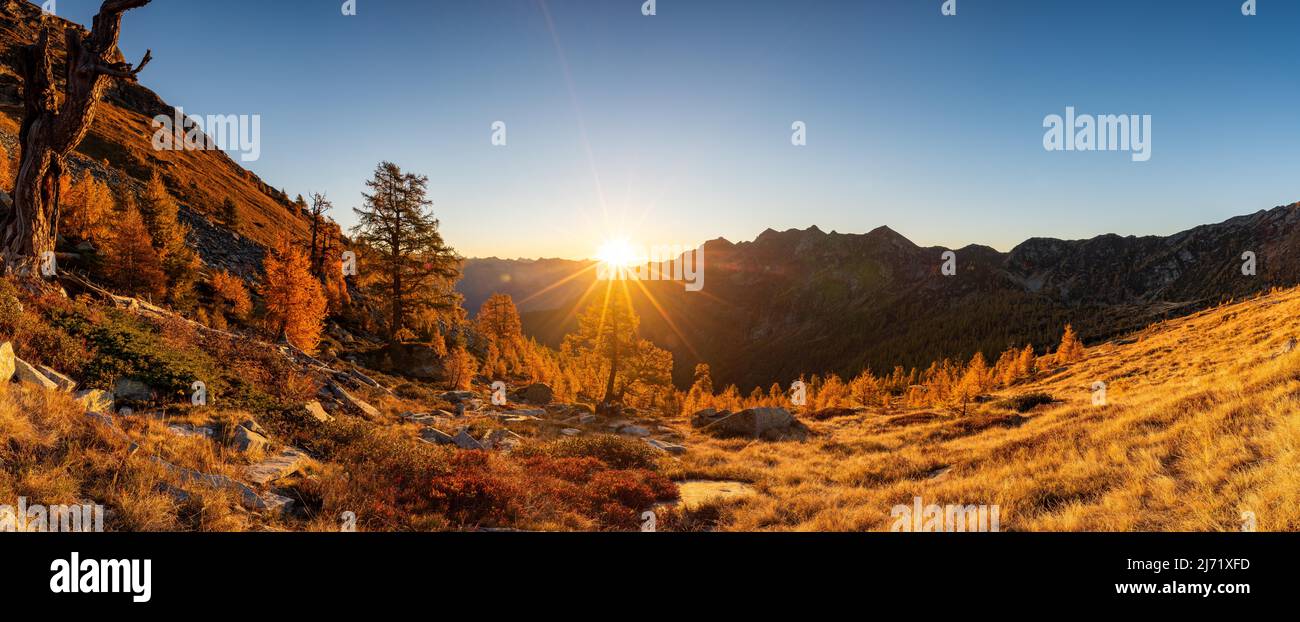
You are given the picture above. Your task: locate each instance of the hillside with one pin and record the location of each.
(1201, 424)
(118, 151)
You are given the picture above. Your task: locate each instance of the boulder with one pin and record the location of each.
(434, 435)
(27, 374)
(353, 402)
(587, 419)
(464, 441)
(131, 390)
(455, 397)
(7, 365)
(634, 430)
(285, 463)
(317, 412)
(666, 447)
(501, 439)
(538, 393)
(66, 384)
(246, 440)
(764, 423)
(704, 417)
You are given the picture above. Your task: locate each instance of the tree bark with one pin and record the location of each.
(50, 131)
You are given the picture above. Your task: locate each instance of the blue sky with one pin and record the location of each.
(674, 129)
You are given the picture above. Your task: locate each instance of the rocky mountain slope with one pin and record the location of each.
(118, 150)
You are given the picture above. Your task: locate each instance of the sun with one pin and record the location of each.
(616, 253)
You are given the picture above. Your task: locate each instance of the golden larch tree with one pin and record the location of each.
(295, 304)
(130, 261)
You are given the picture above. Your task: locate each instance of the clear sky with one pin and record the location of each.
(676, 128)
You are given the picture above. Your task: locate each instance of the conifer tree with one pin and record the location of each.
(295, 304)
(130, 261)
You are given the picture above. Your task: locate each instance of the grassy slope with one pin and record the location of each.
(1201, 425)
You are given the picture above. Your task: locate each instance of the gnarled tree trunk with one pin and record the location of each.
(50, 130)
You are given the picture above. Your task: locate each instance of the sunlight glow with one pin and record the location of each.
(616, 253)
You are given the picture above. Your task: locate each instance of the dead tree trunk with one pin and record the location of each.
(51, 130)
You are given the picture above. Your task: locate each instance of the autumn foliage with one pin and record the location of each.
(295, 304)
(130, 261)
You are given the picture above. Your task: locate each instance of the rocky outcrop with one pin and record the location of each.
(759, 423)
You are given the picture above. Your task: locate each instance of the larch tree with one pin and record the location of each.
(1071, 348)
(87, 208)
(498, 321)
(606, 343)
(295, 304)
(130, 260)
(54, 123)
(415, 268)
(180, 262)
(319, 206)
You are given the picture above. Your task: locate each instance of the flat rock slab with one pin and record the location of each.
(285, 463)
(27, 374)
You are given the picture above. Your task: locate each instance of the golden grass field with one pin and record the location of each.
(1201, 424)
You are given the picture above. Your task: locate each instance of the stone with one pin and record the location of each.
(527, 412)
(634, 430)
(27, 374)
(464, 441)
(352, 401)
(538, 393)
(501, 439)
(253, 426)
(66, 384)
(285, 463)
(246, 440)
(7, 365)
(434, 435)
(767, 423)
(587, 419)
(706, 416)
(132, 390)
(317, 412)
(666, 447)
(456, 397)
(570, 432)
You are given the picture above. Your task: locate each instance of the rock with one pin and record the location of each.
(587, 419)
(27, 374)
(317, 412)
(501, 439)
(455, 397)
(465, 441)
(570, 432)
(246, 440)
(634, 430)
(538, 393)
(247, 496)
(66, 384)
(704, 417)
(282, 464)
(132, 390)
(95, 400)
(765, 423)
(527, 412)
(253, 426)
(184, 429)
(352, 401)
(666, 447)
(434, 435)
(6, 362)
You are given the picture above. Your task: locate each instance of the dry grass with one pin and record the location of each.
(1201, 424)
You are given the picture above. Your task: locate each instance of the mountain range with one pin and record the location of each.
(806, 301)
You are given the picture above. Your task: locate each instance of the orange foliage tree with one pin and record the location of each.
(130, 261)
(295, 304)
(230, 296)
(86, 208)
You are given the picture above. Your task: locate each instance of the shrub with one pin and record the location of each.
(1026, 402)
(619, 452)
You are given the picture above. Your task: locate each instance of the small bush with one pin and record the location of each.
(1026, 402)
(619, 452)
